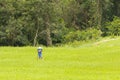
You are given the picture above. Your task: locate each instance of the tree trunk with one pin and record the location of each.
(36, 35)
(99, 13)
(116, 7)
(47, 27)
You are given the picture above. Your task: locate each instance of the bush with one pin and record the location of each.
(82, 35)
(113, 28)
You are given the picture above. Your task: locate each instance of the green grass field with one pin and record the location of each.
(95, 61)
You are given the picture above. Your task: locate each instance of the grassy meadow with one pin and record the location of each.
(96, 61)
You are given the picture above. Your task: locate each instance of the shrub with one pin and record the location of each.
(82, 35)
(113, 28)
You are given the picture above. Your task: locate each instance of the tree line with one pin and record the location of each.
(52, 22)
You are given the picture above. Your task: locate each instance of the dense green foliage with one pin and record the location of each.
(49, 22)
(113, 28)
(93, 62)
(82, 35)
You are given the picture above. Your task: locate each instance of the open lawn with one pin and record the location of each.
(97, 61)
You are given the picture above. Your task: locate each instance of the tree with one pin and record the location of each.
(47, 22)
(116, 7)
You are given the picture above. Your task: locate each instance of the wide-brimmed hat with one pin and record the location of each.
(39, 47)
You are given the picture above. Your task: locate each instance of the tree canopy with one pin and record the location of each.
(51, 22)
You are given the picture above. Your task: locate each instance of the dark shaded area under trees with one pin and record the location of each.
(51, 22)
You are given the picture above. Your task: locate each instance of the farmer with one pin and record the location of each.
(39, 52)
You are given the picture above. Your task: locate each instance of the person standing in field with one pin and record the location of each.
(39, 52)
